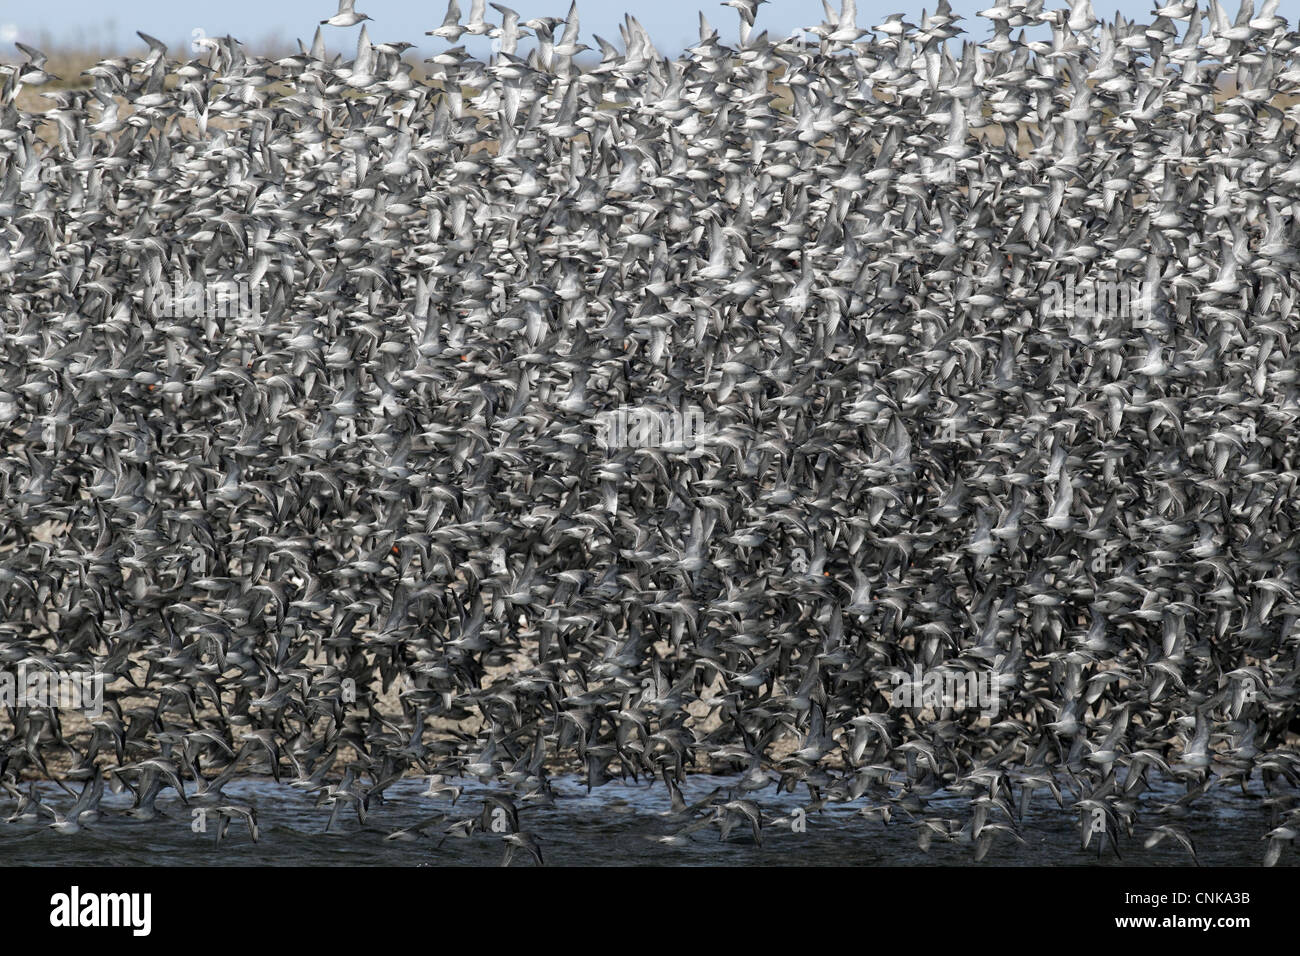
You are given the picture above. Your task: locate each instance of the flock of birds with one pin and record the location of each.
(365, 529)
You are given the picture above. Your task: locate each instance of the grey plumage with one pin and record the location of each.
(650, 414)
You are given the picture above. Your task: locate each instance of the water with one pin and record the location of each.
(617, 824)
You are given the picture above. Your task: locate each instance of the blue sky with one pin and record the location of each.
(673, 23)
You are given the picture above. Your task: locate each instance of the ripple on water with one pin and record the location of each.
(615, 825)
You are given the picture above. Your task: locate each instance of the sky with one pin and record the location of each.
(95, 25)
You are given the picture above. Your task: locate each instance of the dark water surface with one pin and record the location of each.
(617, 824)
